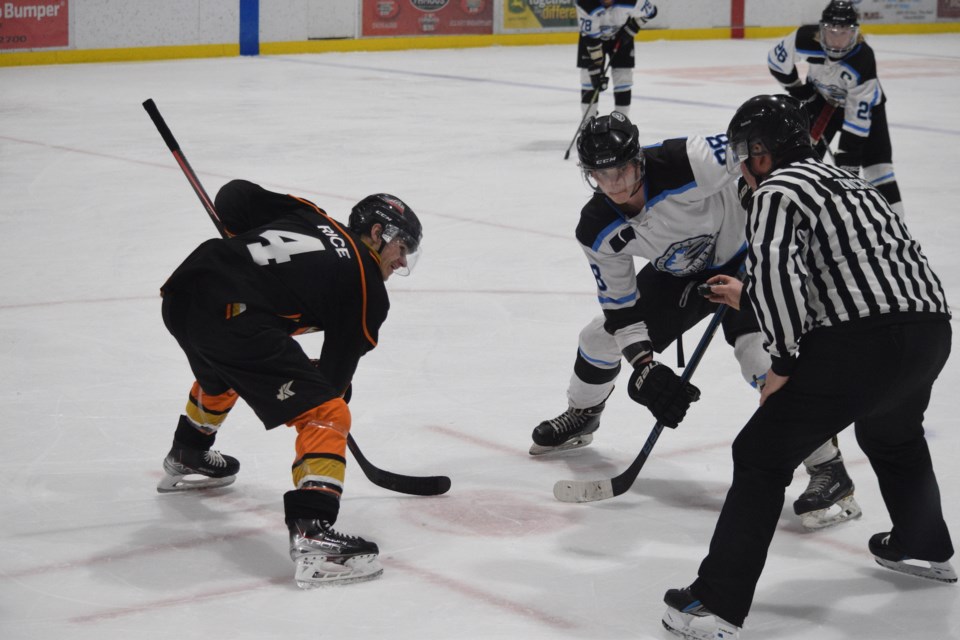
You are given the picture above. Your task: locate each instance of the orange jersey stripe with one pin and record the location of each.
(363, 278)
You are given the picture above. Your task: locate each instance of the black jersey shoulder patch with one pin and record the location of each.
(597, 219)
(667, 169)
(808, 43)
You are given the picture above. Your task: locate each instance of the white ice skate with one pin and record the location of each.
(688, 618)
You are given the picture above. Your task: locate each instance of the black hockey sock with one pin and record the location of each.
(309, 504)
(187, 435)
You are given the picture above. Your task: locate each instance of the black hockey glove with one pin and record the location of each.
(745, 193)
(659, 389)
(628, 31)
(597, 78)
(805, 92)
(600, 82)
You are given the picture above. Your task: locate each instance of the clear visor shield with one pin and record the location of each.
(737, 154)
(408, 245)
(613, 179)
(837, 40)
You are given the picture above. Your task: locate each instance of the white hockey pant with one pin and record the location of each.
(622, 81)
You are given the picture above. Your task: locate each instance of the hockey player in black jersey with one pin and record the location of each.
(675, 205)
(233, 306)
(858, 328)
(607, 30)
(841, 93)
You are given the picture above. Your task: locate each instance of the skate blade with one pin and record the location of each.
(693, 627)
(841, 511)
(315, 571)
(938, 571)
(572, 443)
(195, 482)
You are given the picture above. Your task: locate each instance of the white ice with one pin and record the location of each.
(94, 214)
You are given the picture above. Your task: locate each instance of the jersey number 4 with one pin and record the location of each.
(281, 245)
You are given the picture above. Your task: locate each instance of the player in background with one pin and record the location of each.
(841, 93)
(675, 205)
(233, 306)
(858, 328)
(607, 29)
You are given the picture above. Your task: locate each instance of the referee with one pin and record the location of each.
(857, 327)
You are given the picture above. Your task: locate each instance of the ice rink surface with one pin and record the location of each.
(478, 348)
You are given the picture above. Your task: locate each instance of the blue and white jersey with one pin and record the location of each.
(849, 83)
(692, 222)
(602, 22)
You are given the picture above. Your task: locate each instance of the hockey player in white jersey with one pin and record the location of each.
(842, 93)
(607, 28)
(675, 205)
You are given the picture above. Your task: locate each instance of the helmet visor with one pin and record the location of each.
(737, 154)
(838, 39)
(408, 245)
(613, 179)
(738, 151)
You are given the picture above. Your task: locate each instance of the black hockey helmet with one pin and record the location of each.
(398, 220)
(608, 142)
(839, 28)
(766, 124)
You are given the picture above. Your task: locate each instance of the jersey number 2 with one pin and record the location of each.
(281, 245)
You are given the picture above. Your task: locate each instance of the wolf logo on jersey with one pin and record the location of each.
(687, 257)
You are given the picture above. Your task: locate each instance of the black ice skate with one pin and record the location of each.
(189, 469)
(326, 556)
(888, 554)
(828, 499)
(572, 429)
(688, 618)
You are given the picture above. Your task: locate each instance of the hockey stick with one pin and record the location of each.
(593, 101)
(593, 490)
(816, 131)
(413, 485)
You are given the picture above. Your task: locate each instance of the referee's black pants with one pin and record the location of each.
(872, 374)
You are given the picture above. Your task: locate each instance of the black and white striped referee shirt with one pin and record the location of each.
(825, 248)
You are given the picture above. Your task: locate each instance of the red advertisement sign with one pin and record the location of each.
(948, 9)
(426, 17)
(33, 24)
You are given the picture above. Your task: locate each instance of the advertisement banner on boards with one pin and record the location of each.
(896, 11)
(539, 14)
(426, 17)
(948, 9)
(33, 24)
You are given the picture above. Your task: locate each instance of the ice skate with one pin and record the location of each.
(888, 555)
(190, 469)
(828, 498)
(572, 429)
(688, 618)
(325, 556)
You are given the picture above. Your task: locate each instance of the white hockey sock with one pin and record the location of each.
(824, 453)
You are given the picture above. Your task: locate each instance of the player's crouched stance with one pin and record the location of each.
(234, 306)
